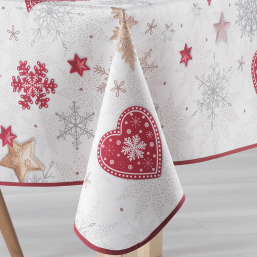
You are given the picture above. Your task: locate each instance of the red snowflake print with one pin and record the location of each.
(33, 85)
(87, 181)
(151, 27)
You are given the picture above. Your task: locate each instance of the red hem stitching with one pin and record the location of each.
(216, 156)
(208, 158)
(74, 183)
(135, 247)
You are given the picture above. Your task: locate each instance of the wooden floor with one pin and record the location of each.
(218, 218)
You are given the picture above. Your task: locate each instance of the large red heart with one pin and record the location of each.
(254, 71)
(133, 150)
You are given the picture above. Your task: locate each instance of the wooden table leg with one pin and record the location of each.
(151, 249)
(8, 231)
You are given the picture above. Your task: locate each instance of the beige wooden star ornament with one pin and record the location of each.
(20, 158)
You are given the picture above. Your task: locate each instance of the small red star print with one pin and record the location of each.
(7, 136)
(78, 65)
(186, 56)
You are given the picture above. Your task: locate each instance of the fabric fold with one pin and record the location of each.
(133, 190)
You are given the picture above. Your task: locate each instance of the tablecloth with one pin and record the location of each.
(111, 93)
(198, 61)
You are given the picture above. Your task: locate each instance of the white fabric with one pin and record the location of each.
(147, 203)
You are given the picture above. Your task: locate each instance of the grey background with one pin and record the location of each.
(218, 218)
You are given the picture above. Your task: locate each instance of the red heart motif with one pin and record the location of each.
(133, 150)
(254, 71)
(31, 3)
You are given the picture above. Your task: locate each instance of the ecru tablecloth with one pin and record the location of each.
(111, 93)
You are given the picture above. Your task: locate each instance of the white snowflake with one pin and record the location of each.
(133, 148)
(135, 121)
(148, 163)
(247, 17)
(149, 134)
(214, 94)
(109, 150)
(75, 125)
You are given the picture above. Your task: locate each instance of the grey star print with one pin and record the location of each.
(168, 32)
(196, 9)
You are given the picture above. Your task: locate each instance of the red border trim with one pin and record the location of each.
(74, 183)
(216, 156)
(135, 247)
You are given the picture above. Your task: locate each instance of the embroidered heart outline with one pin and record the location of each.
(137, 146)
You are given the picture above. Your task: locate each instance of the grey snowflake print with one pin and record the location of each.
(75, 125)
(214, 92)
(51, 18)
(83, 228)
(247, 17)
